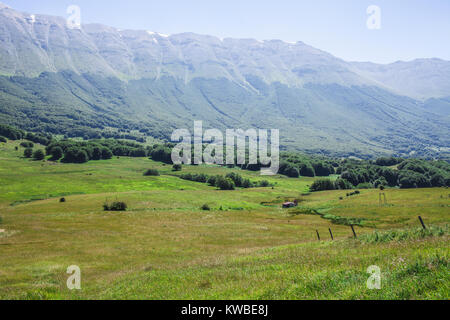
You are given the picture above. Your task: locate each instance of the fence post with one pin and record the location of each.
(423, 224)
(353, 229)
(331, 234)
(318, 235)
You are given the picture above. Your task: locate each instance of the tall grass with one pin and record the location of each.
(404, 234)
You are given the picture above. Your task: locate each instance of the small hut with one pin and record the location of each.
(288, 205)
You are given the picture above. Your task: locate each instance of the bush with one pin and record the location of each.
(3, 139)
(323, 169)
(115, 206)
(74, 155)
(28, 152)
(411, 179)
(246, 183)
(11, 133)
(237, 179)
(106, 154)
(205, 207)
(56, 153)
(177, 167)
(225, 183)
(322, 184)
(291, 171)
(264, 184)
(152, 172)
(343, 184)
(38, 155)
(380, 183)
(365, 185)
(437, 180)
(27, 144)
(212, 181)
(307, 170)
(138, 153)
(387, 162)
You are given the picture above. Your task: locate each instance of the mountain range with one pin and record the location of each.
(99, 79)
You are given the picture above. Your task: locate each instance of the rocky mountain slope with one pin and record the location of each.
(99, 78)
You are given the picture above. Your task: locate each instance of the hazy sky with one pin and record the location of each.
(409, 28)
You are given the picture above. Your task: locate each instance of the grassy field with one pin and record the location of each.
(246, 247)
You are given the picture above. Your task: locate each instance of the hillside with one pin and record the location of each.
(245, 247)
(97, 79)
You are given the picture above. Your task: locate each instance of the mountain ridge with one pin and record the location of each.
(111, 79)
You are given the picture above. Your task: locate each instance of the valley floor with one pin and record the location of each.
(246, 247)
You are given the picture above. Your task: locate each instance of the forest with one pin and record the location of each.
(342, 173)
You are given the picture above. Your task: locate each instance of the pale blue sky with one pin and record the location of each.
(409, 28)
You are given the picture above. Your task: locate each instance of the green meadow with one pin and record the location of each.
(246, 247)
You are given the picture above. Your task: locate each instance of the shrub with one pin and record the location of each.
(152, 172)
(3, 139)
(203, 178)
(437, 180)
(307, 170)
(96, 153)
(38, 155)
(291, 171)
(380, 182)
(27, 144)
(343, 184)
(225, 183)
(387, 161)
(205, 207)
(412, 179)
(322, 184)
(115, 206)
(212, 181)
(56, 153)
(177, 167)
(106, 154)
(348, 221)
(11, 133)
(264, 184)
(237, 179)
(246, 183)
(138, 153)
(74, 155)
(162, 153)
(365, 185)
(322, 169)
(28, 152)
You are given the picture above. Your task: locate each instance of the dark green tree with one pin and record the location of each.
(28, 152)
(38, 155)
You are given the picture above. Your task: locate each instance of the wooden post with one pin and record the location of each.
(423, 224)
(353, 229)
(331, 234)
(318, 235)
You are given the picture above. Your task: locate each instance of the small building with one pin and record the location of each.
(288, 205)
